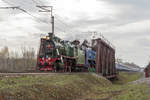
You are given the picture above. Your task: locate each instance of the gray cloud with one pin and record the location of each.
(139, 3)
(143, 42)
(127, 28)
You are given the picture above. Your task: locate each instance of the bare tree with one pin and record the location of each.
(12, 61)
(28, 55)
(4, 57)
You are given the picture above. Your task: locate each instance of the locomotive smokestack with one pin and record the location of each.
(50, 34)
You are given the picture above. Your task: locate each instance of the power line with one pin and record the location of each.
(67, 26)
(61, 21)
(23, 10)
(15, 7)
(64, 24)
(7, 2)
(37, 2)
(37, 19)
(38, 6)
(46, 10)
(34, 2)
(10, 3)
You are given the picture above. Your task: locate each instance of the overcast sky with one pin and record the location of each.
(123, 22)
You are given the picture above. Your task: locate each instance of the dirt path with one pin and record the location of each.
(143, 80)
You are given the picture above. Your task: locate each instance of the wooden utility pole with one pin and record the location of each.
(45, 9)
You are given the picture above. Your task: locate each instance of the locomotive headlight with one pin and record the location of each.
(47, 38)
(49, 58)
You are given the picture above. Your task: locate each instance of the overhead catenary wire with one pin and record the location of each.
(56, 16)
(35, 2)
(59, 20)
(37, 19)
(66, 28)
(2, 3)
(23, 10)
(20, 3)
(43, 21)
(66, 25)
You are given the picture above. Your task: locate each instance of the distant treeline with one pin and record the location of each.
(15, 61)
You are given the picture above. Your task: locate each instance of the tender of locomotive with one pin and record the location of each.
(59, 55)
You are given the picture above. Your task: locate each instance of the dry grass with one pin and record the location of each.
(49, 87)
(70, 87)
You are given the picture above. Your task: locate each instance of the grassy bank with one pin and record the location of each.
(49, 87)
(125, 77)
(69, 87)
(121, 89)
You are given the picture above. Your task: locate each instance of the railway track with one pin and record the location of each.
(38, 73)
(9, 74)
